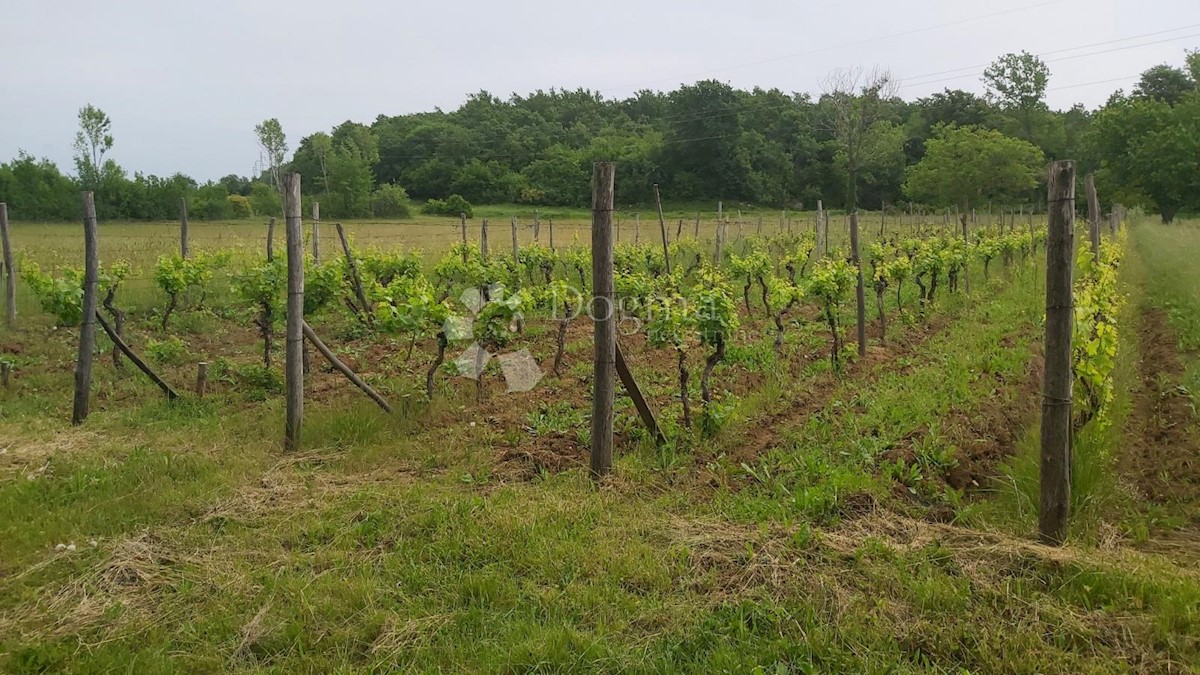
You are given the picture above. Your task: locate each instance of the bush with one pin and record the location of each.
(451, 206)
(239, 206)
(390, 201)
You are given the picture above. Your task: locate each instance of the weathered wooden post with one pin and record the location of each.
(87, 324)
(603, 319)
(962, 218)
(718, 251)
(462, 221)
(1093, 203)
(860, 292)
(697, 232)
(201, 379)
(183, 227)
(271, 240)
(550, 226)
(10, 277)
(819, 229)
(294, 354)
(662, 225)
(637, 229)
(355, 278)
(1056, 388)
(537, 227)
(882, 218)
(483, 238)
(516, 248)
(316, 232)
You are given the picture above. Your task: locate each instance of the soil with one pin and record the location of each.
(1162, 455)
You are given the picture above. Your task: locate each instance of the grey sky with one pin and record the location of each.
(185, 83)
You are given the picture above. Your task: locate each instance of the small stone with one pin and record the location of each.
(472, 425)
(92, 542)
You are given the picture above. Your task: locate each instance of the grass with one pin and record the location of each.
(819, 530)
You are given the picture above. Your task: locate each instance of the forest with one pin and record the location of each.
(851, 145)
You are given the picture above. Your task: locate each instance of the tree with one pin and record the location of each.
(1164, 83)
(1018, 82)
(964, 165)
(1151, 150)
(274, 143)
(853, 103)
(93, 139)
(1193, 64)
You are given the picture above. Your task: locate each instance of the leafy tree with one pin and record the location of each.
(1152, 150)
(1164, 83)
(1018, 82)
(965, 165)
(92, 141)
(274, 144)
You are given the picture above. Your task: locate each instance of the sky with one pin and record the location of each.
(186, 82)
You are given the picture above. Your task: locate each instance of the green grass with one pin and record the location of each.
(409, 543)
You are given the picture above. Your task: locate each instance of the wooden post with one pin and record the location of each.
(462, 221)
(718, 252)
(859, 293)
(1056, 390)
(537, 227)
(87, 330)
(1093, 203)
(697, 233)
(635, 394)
(882, 218)
(637, 229)
(820, 229)
(962, 218)
(271, 240)
(294, 354)
(550, 225)
(137, 361)
(355, 279)
(344, 369)
(10, 277)
(662, 225)
(759, 225)
(201, 378)
(483, 238)
(1113, 220)
(720, 214)
(603, 380)
(316, 232)
(183, 227)
(516, 248)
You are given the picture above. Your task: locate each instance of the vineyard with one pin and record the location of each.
(793, 495)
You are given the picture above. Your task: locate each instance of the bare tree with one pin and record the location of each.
(853, 100)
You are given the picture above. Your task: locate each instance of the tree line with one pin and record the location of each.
(855, 144)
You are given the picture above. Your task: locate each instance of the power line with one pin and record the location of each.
(856, 43)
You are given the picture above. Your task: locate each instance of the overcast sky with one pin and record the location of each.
(185, 82)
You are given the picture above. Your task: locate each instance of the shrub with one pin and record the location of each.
(239, 206)
(390, 201)
(451, 206)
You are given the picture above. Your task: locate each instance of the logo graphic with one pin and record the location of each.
(520, 370)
